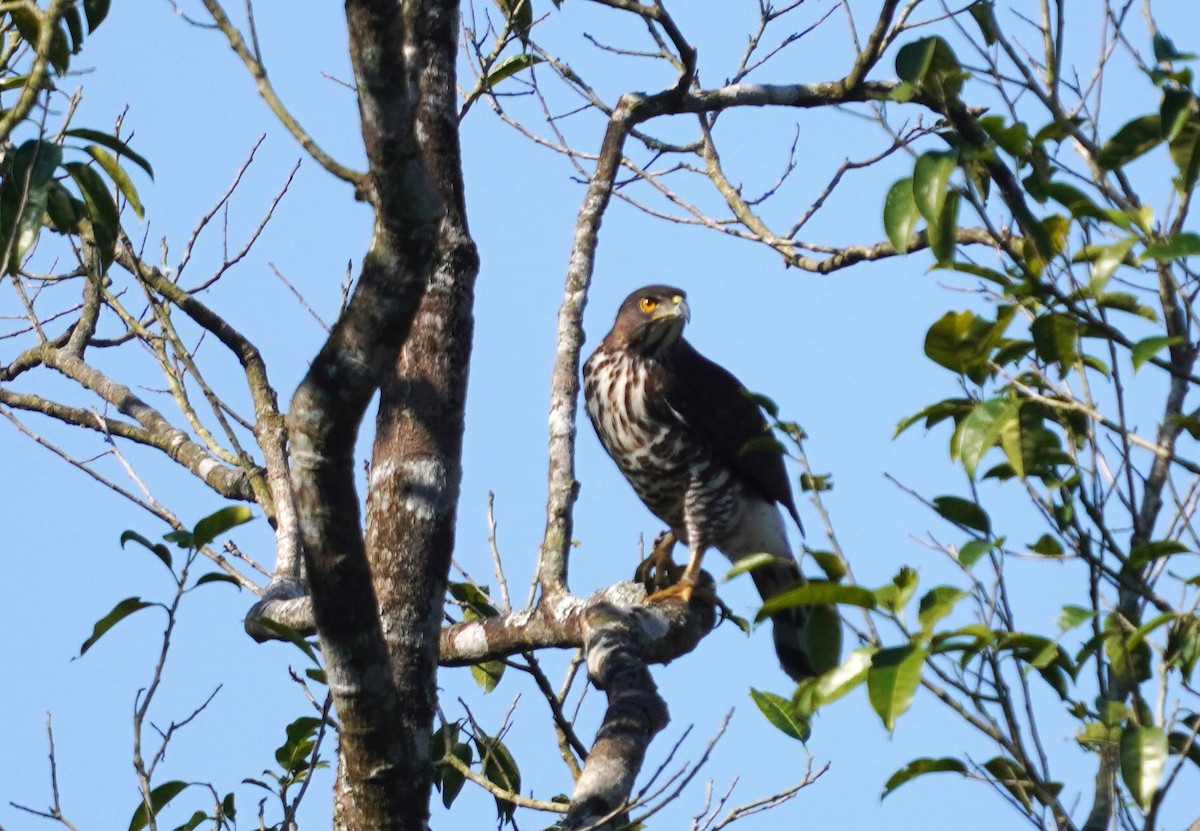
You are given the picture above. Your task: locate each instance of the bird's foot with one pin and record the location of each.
(658, 571)
(687, 591)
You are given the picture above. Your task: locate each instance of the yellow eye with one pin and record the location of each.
(649, 304)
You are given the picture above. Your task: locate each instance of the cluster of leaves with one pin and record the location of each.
(1056, 325)
(65, 183)
(297, 757)
(452, 756)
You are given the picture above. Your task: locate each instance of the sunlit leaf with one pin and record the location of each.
(980, 430)
(817, 594)
(216, 524)
(893, 679)
(751, 562)
(900, 215)
(781, 714)
(1073, 616)
(1185, 244)
(1147, 348)
(120, 178)
(931, 183)
(943, 234)
(937, 603)
(1143, 759)
(840, 680)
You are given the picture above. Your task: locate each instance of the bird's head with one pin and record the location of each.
(651, 319)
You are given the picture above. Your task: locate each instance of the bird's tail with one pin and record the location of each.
(808, 639)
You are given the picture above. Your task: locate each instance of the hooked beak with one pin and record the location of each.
(677, 308)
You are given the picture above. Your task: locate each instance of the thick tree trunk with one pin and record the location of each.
(377, 597)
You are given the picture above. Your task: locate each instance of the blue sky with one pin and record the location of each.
(842, 354)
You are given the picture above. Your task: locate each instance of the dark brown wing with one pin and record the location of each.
(713, 403)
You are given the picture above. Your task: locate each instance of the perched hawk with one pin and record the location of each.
(677, 426)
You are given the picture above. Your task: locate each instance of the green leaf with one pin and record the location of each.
(159, 797)
(1073, 616)
(900, 215)
(1165, 51)
(1143, 759)
(216, 524)
(957, 341)
(219, 577)
(487, 674)
(1184, 147)
(1106, 260)
(781, 715)
(119, 612)
(1011, 776)
(1150, 551)
(194, 822)
(936, 604)
(446, 743)
(474, 598)
(929, 63)
(157, 549)
(817, 594)
(981, 10)
(823, 637)
(1129, 657)
(1054, 338)
(24, 197)
(101, 209)
(980, 430)
(519, 14)
(970, 552)
(895, 595)
(295, 754)
(114, 144)
(943, 234)
(1095, 735)
(74, 24)
(751, 562)
(1184, 244)
(120, 178)
(1183, 645)
(510, 66)
(1147, 348)
(1174, 111)
(892, 681)
(837, 682)
(1047, 546)
(931, 183)
(833, 566)
(1133, 139)
(62, 209)
(292, 636)
(96, 11)
(228, 807)
(500, 769)
(963, 512)
(919, 767)
(935, 413)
